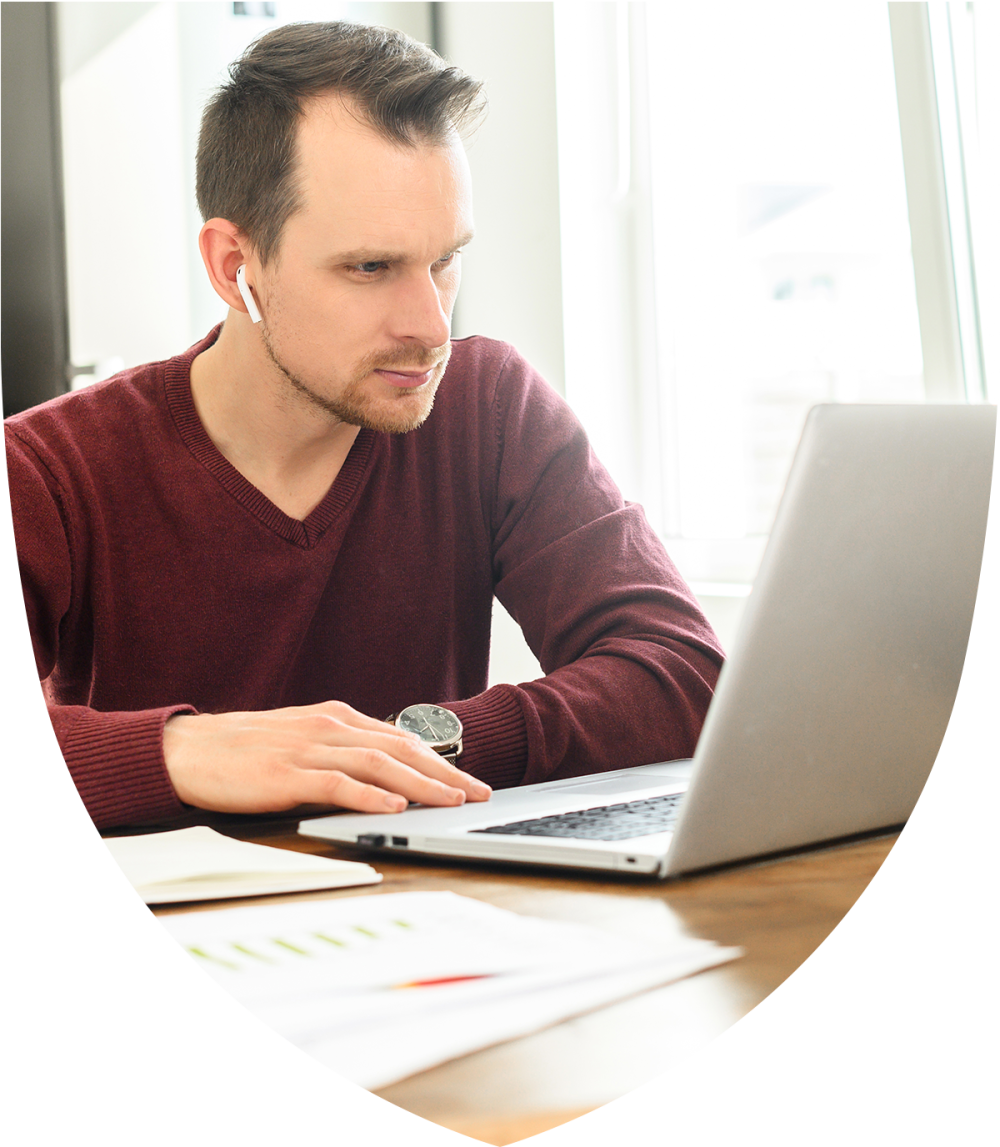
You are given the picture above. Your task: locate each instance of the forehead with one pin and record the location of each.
(360, 188)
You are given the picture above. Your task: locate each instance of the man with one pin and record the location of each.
(239, 562)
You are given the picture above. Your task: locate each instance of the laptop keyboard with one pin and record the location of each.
(609, 822)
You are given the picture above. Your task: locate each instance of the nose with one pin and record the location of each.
(423, 311)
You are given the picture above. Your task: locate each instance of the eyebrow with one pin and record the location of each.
(370, 255)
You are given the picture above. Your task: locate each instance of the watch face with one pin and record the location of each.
(431, 723)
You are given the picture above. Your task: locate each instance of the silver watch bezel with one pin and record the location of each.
(450, 748)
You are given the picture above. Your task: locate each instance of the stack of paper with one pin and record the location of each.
(200, 864)
(381, 987)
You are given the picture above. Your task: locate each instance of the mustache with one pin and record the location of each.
(405, 358)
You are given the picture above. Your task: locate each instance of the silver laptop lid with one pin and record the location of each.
(834, 702)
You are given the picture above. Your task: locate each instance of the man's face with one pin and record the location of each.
(357, 303)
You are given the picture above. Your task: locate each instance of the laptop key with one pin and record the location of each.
(608, 822)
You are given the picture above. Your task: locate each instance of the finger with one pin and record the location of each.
(408, 750)
(386, 772)
(362, 779)
(450, 774)
(333, 787)
(341, 711)
(417, 756)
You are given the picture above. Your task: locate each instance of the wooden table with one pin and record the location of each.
(778, 912)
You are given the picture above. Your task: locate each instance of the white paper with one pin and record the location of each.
(337, 977)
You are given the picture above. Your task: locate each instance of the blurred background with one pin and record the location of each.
(696, 221)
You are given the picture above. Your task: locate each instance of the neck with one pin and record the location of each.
(282, 444)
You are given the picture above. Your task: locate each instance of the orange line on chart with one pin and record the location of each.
(443, 980)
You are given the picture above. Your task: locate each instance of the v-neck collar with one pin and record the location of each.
(305, 533)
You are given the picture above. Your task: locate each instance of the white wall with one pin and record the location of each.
(511, 278)
(125, 192)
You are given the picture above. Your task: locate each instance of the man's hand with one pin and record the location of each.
(326, 754)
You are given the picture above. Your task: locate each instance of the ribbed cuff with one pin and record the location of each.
(116, 761)
(495, 738)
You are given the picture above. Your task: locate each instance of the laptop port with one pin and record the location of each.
(401, 841)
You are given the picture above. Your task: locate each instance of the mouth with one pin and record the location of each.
(407, 379)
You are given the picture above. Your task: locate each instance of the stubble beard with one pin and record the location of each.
(396, 413)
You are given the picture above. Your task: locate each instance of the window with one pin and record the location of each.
(736, 242)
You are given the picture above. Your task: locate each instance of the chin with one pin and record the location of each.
(395, 413)
(398, 415)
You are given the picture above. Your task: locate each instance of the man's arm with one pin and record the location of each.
(328, 754)
(135, 767)
(630, 661)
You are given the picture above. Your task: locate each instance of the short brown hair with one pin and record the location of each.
(246, 165)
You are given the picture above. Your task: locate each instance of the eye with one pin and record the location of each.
(369, 268)
(448, 259)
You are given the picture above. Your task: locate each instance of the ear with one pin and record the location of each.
(224, 249)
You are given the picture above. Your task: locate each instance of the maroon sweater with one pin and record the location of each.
(158, 580)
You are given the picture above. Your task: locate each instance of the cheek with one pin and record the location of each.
(331, 317)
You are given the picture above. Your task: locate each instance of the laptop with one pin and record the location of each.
(832, 706)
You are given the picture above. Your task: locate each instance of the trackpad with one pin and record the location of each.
(617, 785)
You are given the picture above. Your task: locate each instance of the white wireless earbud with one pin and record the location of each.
(241, 283)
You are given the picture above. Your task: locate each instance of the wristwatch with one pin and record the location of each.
(438, 728)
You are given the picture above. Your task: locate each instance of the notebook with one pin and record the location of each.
(832, 706)
(201, 864)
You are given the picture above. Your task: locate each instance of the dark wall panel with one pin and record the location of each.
(34, 314)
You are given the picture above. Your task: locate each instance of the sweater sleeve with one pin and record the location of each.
(630, 661)
(115, 759)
